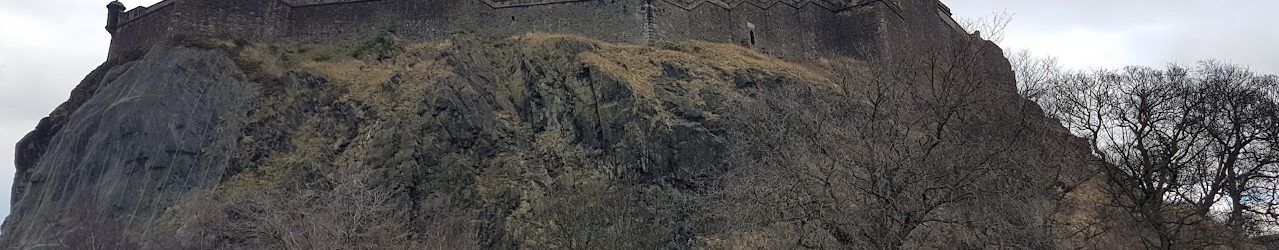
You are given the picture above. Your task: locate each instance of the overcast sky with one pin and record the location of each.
(47, 46)
(1087, 34)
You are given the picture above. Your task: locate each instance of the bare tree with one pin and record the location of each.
(1035, 75)
(340, 210)
(1237, 117)
(1139, 122)
(992, 27)
(916, 151)
(1178, 141)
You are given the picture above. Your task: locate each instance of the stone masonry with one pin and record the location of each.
(793, 29)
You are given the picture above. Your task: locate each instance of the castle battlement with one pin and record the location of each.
(797, 29)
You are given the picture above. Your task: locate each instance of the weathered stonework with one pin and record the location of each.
(796, 29)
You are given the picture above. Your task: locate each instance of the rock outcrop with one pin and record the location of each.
(538, 141)
(149, 132)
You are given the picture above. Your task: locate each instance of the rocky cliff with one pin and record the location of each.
(151, 131)
(546, 141)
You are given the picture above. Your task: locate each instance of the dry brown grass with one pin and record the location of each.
(417, 65)
(705, 62)
(776, 238)
(385, 94)
(270, 63)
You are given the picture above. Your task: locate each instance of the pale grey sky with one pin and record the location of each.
(1085, 34)
(47, 46)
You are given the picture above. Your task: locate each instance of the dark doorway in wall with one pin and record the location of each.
(752, 38)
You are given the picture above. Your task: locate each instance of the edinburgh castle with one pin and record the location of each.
(795, 29)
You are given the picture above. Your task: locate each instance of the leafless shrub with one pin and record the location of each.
(1035, 75)
(993, 26)
(347, 212)
(1179, 141)
(917, 151)
(97, 231)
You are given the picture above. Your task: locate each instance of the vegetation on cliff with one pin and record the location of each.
(557, 141)
(539, 140)
(1191, 150)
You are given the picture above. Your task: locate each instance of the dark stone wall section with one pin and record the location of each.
(792, 29)
(154, 25)
(808, 32)
(616, 20)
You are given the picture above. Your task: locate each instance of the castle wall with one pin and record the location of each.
(252, 20)
(616, 20)
(921, 29)
(141, 28)
(805, 31)
(793, 29)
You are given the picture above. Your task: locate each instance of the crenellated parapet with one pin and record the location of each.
(801, 29)
(832, 5)
(522, 3)
(141, 12)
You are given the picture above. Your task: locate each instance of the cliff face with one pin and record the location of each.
(539, 141)
(151, 131)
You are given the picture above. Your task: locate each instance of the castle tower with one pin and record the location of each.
(113, 15)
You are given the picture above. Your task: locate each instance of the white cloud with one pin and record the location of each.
(1077, 47)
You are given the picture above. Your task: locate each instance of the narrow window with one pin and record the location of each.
(752, 38)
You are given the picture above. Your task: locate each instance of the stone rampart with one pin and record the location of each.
(796, 29)
(426, 20)
(140, 12)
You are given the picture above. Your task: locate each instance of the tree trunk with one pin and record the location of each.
(1236, 219)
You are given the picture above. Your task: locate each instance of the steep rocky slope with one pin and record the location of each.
(546, 141)
(151, 131)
